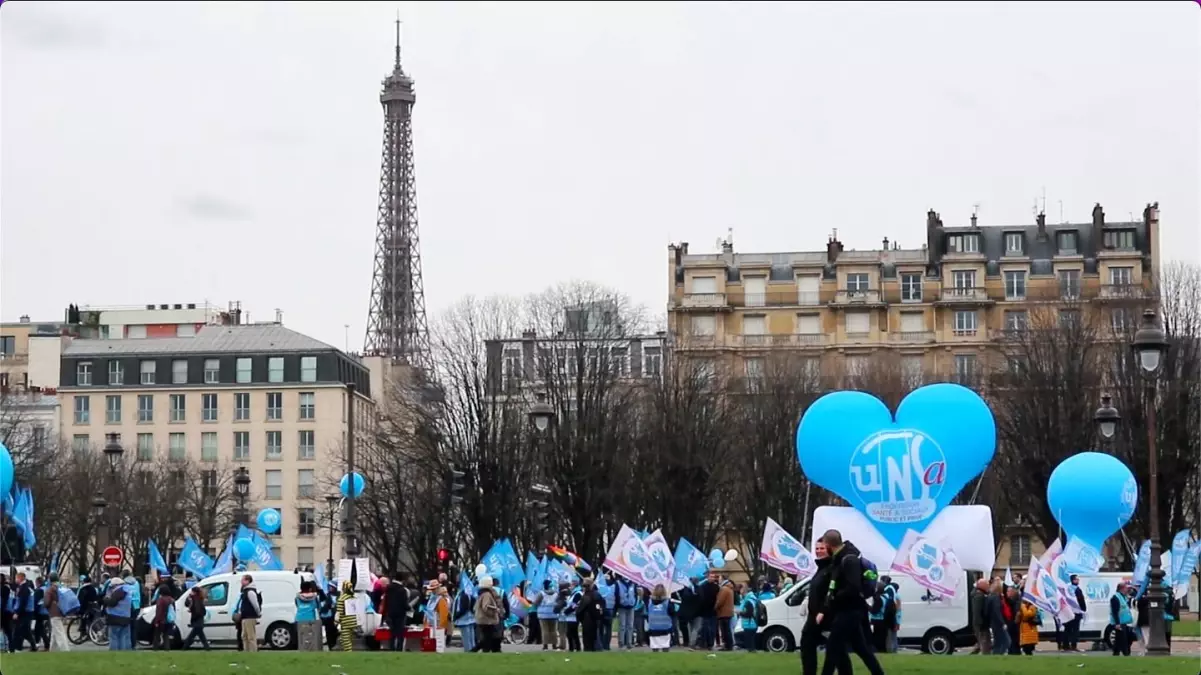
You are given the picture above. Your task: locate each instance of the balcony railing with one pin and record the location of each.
(911, 336)
(703, 300)
(778, 340)
(958, 294)
(1122, 292)
(858, 336)
(14, 359)
(776, 298)
(966, 332)
(864, 297)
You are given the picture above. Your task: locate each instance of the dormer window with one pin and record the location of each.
(963, 243)
(1119, 240)
(1014, 243)
(1066, 243)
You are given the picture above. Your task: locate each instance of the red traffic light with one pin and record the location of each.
(443, 555)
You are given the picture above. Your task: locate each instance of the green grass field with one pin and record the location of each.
(1188, 628)
(683, 663)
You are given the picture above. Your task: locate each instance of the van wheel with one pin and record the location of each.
(281, 635)
(777, 640)
(938, 641)
(1107, 638)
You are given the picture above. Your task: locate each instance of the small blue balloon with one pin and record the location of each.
(6, 470)
(898, 473)
(244, 550)
(1092, 495)
(717, 560)
(359, 484)
(269, 521)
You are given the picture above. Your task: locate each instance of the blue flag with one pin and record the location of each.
(225, 561)
(156, 561)
(531, 569)
(690, 562)
(22, 517)
(54, 564)
(466, 586)
(193, 559)
(319, 577)
(263, 557)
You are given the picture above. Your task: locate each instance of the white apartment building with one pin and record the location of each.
(259, 396)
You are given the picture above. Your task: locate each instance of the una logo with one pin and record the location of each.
(1098, 590)
(803, 561)
(786, 547)
(660, 555)
(924, 556)
(1130, 494)
(1046, 585)
(633, 555)
(898, 475)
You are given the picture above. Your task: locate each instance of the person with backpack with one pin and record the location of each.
(250, 608)
(659, 614)
(748, 611)
(463, 617)
(852, 580)
(60, 603)
(196, 616)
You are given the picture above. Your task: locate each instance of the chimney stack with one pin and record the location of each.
(973, 220)
(886, 243)
(833, 247)
(1042, 225)
(1098, 215)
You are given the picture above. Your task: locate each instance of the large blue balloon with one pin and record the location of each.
(244, 549)
(1092, 495)
(899, 474)
(359, 483)
(6, 470)
(269, 521)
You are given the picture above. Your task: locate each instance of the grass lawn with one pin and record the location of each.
(1191, 628)
(683, 663)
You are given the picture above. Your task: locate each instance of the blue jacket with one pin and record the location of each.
(306, 610)
(546, 605)
(625, 594)
(748, 607)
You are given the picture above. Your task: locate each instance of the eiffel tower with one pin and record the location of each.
(396, 325)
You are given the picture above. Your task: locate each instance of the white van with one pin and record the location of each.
(936, 625)
(276, 627)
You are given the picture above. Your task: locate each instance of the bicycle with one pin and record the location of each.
(77, 625)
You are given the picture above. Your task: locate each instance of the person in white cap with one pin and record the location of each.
(487, 616)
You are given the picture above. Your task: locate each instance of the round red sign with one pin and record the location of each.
(112, 557)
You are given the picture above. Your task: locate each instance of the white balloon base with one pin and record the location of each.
(967, 529)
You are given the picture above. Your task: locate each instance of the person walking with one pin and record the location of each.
(437, 612)
(308, 621)
(811, 632)
(488, 612)
(396, 609)
(197, 613)
(54, 610)
(464, 619)
(250, 610)
(659, 614)
(348, 623)
(164, 618)
(1071, 629)
(980, 625)
(846, 607)
(26, 610)
(118, 601)
(995, 607)
(746, 614)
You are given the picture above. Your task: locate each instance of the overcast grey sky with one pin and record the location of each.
(177, 152)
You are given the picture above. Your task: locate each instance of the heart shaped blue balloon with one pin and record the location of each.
(898, 473)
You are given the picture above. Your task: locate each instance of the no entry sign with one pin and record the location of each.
(112, 557)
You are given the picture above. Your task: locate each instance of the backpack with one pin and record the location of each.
(760, 613)
(871, 575)
(68, 602)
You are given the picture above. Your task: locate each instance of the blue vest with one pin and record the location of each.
(657, 617)
(573, 603)
(125, 606)
(546, 604)
(42, 609)
(625, 593)
(137, 594)
(12, 602)
(29, 599)
(306, 610)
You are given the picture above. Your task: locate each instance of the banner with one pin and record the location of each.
(193, 559)
(932, 564)
(1040, 589)
(225, 561)
(1069, 607)
(1186, 568)
(1050, 554)
(1082, 558)
(1142, 564)
(782, 551)
(690, 563)
(629, 557)
(656, 545)
(1180, 546)
(503, 565)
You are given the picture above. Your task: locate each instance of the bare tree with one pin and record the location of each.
(208, 503)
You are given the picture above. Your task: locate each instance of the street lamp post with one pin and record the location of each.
(242, 489)
(1150, 345)
(113, 452)
(99, 504)
(351, 547)
(332, 501)
(541, 415)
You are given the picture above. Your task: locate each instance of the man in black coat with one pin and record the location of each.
(396, 604)
(846, 608)
(686, 614)
(707, 611)
(811, 633)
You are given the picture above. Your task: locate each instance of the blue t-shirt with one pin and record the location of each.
(306, 610)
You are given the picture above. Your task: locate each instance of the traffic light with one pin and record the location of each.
(443, 555)
(456, 484)
(540, 504)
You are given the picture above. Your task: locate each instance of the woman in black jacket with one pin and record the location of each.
(811, 633)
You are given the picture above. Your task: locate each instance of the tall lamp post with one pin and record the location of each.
(99, 504)
(1107, 418)
(332, 501)
(242, 489)
(113, 452)
(1150, 345)
(541, 415)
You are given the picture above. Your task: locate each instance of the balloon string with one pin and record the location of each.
(979, 482)
(805, 510)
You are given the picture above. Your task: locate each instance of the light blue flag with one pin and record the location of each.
(193, 559)
(561, 573)
(8, 505)
(531, 569)
(22, 517)
(54, 564)
(495, 560)
(690, 562)
(514, 573)
(1180, 545)
(156, 561)
(466, 585)
(1188, 564)
(225, 561)
(606, 590)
